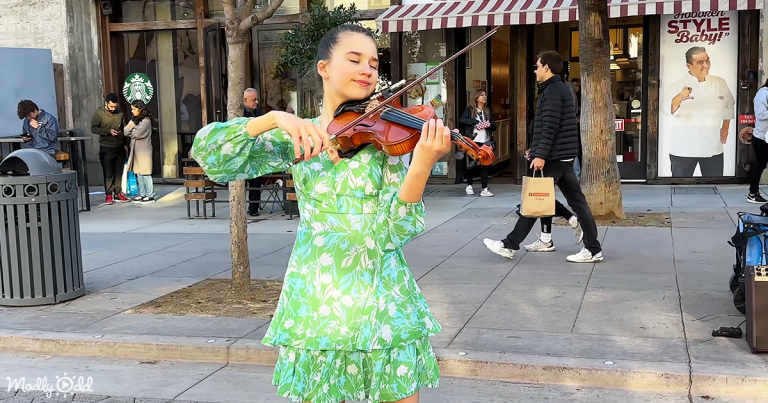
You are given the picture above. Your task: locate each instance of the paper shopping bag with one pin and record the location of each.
(124, 181)
(538, 199)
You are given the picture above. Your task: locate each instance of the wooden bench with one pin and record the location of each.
(198, 190)
(63, 158)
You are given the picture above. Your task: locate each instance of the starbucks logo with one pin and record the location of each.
(138, 87)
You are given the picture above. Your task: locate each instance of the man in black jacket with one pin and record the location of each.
(554, 146)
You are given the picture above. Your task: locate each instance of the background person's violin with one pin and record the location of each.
(381, 121)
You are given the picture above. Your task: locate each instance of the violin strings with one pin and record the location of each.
(417, 122)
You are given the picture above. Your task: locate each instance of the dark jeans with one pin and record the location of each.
(560, 211)
(483, 175)
(565, 179)
(761, 159)
(254, 195)
(683, 167)
(112, 165)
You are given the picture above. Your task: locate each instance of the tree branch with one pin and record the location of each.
(247, 9)
(256, 19)
(229, 9)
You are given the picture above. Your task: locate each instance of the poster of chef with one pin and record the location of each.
(697, 105)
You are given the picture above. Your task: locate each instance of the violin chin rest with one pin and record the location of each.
(353, 152)
(350, 106)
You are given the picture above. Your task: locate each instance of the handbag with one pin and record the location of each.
(133, 185)
(491, 141)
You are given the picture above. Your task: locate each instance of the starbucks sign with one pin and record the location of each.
(138, 87)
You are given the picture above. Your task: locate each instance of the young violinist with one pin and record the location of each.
(351, 322)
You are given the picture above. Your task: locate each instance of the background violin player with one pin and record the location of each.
(350, 310)
(479, 126)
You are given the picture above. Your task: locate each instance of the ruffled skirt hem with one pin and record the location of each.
(378, 376)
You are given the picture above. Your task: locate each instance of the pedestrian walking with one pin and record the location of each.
(553, 148)
(351, 322)
(759, 145)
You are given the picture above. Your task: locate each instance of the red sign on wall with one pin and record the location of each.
(746, 119)
(618, 125)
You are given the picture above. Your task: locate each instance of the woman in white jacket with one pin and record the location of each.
(139, 130)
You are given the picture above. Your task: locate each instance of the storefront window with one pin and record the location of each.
(170, 60)
(626, 55)
(422, 51)
(278, 87)
(153, 10)
(360, 4)
(216, 8)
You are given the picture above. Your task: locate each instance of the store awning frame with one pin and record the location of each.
(461, 14)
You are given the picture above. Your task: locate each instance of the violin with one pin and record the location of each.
(383, 122)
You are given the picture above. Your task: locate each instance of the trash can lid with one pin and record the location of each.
(29, 162)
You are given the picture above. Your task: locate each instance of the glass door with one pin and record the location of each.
(627, 88)
(216, 77)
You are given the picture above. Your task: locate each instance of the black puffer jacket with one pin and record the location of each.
(555, 129)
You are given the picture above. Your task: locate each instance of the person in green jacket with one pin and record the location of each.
(107, 123)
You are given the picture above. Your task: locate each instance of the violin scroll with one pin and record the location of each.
(482, 154)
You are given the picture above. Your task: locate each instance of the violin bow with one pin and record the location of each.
(405, 89)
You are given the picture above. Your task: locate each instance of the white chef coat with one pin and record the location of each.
(695, 130)
(482, 135)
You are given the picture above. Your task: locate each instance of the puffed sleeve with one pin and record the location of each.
(398, 221)
(227, 153)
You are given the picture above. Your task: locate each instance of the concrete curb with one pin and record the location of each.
(585, 372)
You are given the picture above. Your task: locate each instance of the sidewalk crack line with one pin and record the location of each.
(682, 319)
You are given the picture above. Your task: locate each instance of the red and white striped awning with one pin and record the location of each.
(459, 14)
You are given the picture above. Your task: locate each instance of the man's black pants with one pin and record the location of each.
(560, 211)
(565, 179)
(761, 159)
(112, 165)
(254, 194)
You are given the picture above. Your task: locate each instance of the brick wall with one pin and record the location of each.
(34, 24)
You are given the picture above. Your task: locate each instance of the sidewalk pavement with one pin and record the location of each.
(640, 320)
(130, 381)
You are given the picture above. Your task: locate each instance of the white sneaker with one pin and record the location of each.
(540, 246)
(585, 256)
(498, 248)
(470, 191)
(486, 193)
(579, 233)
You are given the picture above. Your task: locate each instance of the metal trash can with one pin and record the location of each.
(40, 253)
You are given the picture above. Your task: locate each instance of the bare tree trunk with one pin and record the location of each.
(238, 225)
(240, 19)
(600, 178)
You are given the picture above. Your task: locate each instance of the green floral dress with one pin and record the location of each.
(351, 322)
